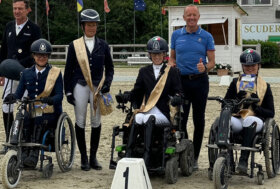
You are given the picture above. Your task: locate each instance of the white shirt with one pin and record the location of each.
(157, 70)
(19, 27)
(90, 43)
(37, 71)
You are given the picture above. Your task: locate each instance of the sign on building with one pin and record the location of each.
(264, 32)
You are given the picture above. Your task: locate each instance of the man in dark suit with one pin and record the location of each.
(18, 36)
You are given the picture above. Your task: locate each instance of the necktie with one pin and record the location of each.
(39, 76)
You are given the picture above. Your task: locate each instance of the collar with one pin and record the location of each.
(157, 67)
(184, 31)
(89, 38)
(41, 71)
(21, 25)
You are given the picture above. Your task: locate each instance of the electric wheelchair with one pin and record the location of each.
(222, 142)
(60, 140)
(170, 150)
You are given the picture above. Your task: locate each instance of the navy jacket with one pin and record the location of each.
(18, 46)
(266, 110)
(146, 82)
(34, 87)
(98, 59)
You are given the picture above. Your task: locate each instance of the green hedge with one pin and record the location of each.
(269, 51)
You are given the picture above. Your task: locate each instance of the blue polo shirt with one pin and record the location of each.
(190, 47)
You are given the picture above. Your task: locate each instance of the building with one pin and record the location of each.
(223, 21)
(263, 20)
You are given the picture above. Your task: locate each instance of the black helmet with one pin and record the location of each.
(89, 15)
(11, 69)
(250, 57)
(157, 45)
(41, 46)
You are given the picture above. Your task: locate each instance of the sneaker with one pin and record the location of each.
(195, 165)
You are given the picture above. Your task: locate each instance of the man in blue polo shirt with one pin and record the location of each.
(190, 46)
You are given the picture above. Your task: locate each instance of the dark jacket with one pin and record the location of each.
(18, 46)
(146, 82)
(34, 87)
(266, 110)
(98, 59)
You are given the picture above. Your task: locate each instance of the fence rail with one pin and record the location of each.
(119, 53)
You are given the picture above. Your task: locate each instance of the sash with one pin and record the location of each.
(260, 89)
(154, 96)
(156, 92)
(81, 54)
(50, 82)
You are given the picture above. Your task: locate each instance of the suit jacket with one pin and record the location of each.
(34, 87)
(266, 110)
(146, 82)
(18, 46)
(98, 59)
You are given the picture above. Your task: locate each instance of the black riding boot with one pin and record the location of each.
(94, 143)
(7, 126)
(131, 140)
(248, 136)
(32, 160)
(148, 139)
(81, 140)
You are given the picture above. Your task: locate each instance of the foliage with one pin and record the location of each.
(63, 20)
(269, 51)
(222, 66)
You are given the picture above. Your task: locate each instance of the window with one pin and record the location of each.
(256, 2)
(219, 32)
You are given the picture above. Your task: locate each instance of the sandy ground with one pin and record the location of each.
(77, 178)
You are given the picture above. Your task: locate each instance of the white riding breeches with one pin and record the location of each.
(83, 95)
(238, 124)
(10, 86)
(142, 118)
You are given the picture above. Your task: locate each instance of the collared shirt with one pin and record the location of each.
(157, 70)
(41, 71)
(90, 41)
(190, 47)
(19, 27)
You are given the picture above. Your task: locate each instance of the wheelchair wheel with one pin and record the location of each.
(171, 170)
(65, 143)
(212, 152)
(271, 149)
(187, 159)
(10, 172)
(221, 173)
(48, 170)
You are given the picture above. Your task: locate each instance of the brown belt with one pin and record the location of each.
(193, 76)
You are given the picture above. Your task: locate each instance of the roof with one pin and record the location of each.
(201, 21)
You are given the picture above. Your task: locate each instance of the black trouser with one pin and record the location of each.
(196, 92)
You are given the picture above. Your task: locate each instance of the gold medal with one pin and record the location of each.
(19, 51)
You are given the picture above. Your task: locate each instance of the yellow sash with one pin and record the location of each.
(81, 54)
(260, 89)
(154, 96)
(156, 92)
(50, 82)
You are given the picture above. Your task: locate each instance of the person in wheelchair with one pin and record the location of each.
(42, 82)
(154, 85)
(250, 119)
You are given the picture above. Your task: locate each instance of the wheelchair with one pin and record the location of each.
(60, 140)
(222, 141)
(169, 151)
